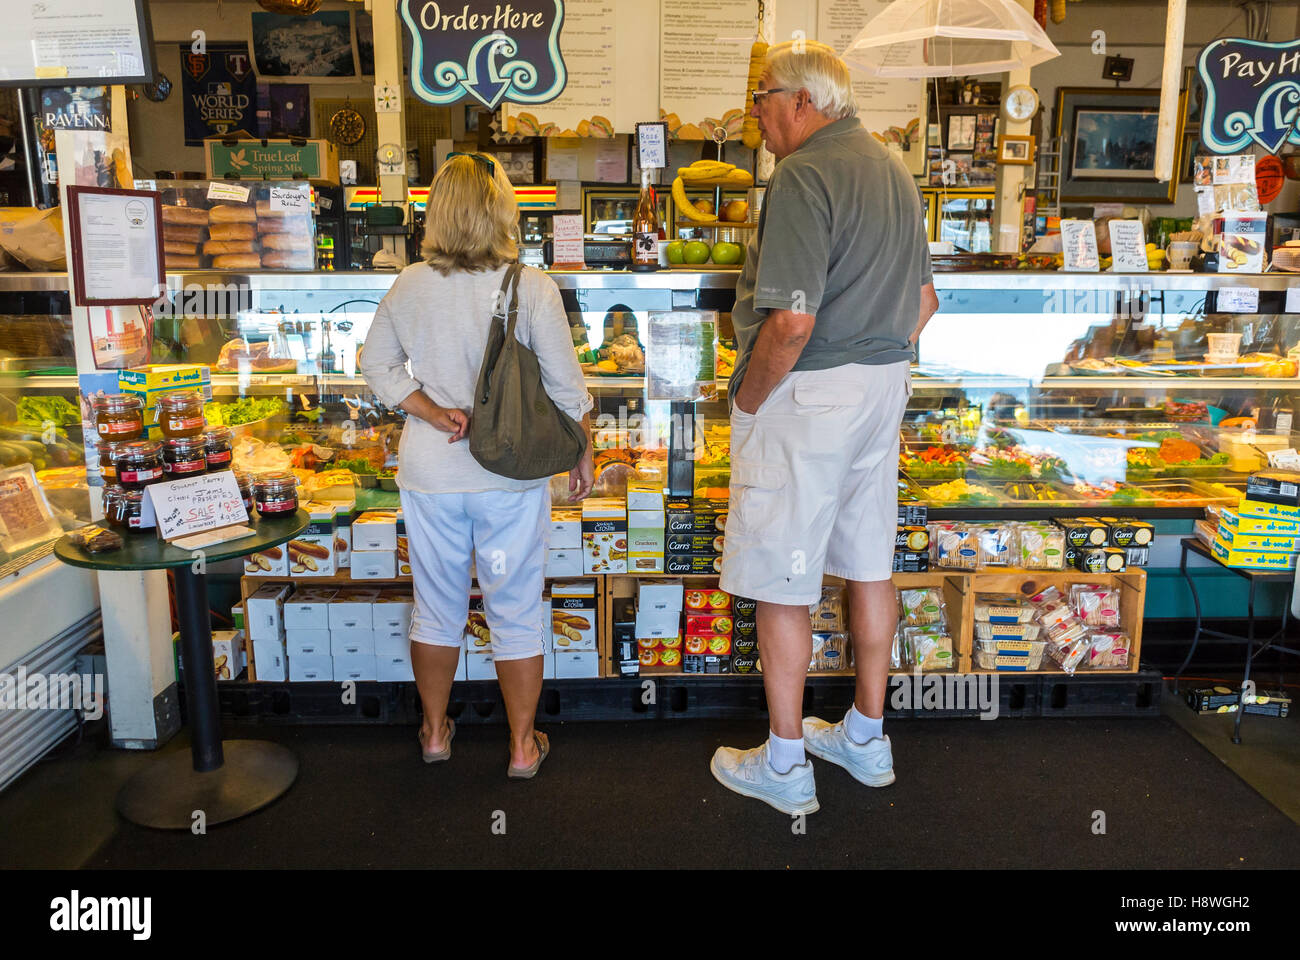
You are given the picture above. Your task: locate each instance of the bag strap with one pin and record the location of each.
(512, 279)
(490, 356)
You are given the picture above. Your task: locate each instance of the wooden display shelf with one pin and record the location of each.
(716, 224)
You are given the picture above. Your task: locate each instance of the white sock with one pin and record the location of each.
(784, 755)
(861, 728)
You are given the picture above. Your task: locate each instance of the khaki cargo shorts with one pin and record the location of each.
(814, 483)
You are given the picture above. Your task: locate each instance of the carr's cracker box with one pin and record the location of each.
(1223, 699)
(692, 566)
(1235, 522)
(604, 536)
(1126, 532)
(693, 544)
(698, 515)
(573, 615)
(311, 553)
(1083, 531)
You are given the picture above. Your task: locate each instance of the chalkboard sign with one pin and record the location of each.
(489, 53)
(197, 504)
(1252, 90)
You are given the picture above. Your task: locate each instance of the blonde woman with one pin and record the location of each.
(422, 355)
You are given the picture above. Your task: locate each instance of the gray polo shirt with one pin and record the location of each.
(841, 237)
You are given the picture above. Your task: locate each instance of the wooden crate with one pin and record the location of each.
(1132, 587)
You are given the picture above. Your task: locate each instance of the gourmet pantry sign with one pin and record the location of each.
(484, 51)
(1252, 90)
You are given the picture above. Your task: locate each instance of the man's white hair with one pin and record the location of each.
(815, 67)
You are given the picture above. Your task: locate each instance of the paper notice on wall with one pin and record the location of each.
(704, 65)
(561, 159)
(611, 160)
(566, 240)
(890, 109)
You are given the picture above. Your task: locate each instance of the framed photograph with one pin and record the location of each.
(318, 47)
(1111, 145)
(1191, 146)
(1016, 149)
(117, 246)
(961, 132)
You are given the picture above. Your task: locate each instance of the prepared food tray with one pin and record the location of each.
(959, 493)
(1182, 493)
(1037, 491)
(932, 461)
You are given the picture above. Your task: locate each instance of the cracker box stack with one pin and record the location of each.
(564, 543)
(645, 527)
(694, 535)
(709, 625)
(1263, 531)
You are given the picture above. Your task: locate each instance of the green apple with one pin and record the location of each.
(696, 252)
(727, 254)
(675, 250)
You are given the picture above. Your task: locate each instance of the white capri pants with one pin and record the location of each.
(507, 530)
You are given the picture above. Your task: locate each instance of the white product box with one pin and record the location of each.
(308, 609)
(311, 553)
(269, 661)
(572, 665)
(271, 562)
(352, 643)
(351, 608)
(394, 670)
(392, 611)
(563, 563)
(310, 643)
(403, 551)
(658, 623)
(604, 536)
(573, 615)
(264, 612)
(566, 529)
(314, 668)
(644, 495)
(343, 533)
(479, 666)
(645, 541)
(548, 666)
(374, 530)
(391, 643)
(374, 564)
(660, 596)
(361, 668)
(228, 653)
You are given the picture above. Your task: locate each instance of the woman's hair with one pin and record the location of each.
(815, 67)
(470, 217)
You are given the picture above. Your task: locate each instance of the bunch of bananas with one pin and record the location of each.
(749, 134)
(710, 172)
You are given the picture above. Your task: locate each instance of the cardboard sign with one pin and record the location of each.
(1128, 246)
(652, 145)
(291, 200)
(197, 504)
(1079, 246)
(1250, 94)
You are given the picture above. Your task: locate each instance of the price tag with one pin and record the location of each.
(197, 504)
(652, 145)
(1237, 300)
(1079, 246)
(566, 240)
(227, 191)
(291, 199)
(1292, 300)
(1128, 245)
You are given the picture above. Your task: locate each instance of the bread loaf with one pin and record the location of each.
(284, 225)
(285, 241)
(237, 261)
(232, 231)
(233, 213)
(228, 246)
(176, 261)
(184, 215)
(182, 234)
(288, 260)
(177, 246)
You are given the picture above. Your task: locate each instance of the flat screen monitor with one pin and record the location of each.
(68, 43)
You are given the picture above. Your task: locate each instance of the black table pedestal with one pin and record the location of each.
(223, 782)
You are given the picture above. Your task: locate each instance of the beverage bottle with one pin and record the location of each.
(645, 227)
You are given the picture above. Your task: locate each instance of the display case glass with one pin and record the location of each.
(962, 217)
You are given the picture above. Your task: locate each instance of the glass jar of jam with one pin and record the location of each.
(245, 490)
(181, 414)
(220, 448)
(106, 468)
(119, 416)
(138, 463)
(129, 506)
(276, 494)
(184, 457)
(112, 505)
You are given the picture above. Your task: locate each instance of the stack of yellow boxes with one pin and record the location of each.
(1263, 531)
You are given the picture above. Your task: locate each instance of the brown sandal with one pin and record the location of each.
(527, 773)
(445, 752)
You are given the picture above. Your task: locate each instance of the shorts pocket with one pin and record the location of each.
(812, 397)
(757, 491)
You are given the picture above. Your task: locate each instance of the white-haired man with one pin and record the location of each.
(835, 290)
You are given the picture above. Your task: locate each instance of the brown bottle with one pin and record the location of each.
(645, 227)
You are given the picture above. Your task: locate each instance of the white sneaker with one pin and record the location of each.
(748, 773)
(871, 763)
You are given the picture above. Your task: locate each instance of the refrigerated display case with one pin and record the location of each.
(962, 217)
(608, 211)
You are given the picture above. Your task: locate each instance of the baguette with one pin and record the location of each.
(284, 225)
(237, 261)
(182, 234)
(228, 246)
(232, 213)
(177, 261)
(191, 216)
(285, 241)
(288, 260)
(569, 619)
(264, 211)
(176, 246)
(232, 231)
(311, 549)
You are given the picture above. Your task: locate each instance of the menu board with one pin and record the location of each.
(704, 65)
(890, 109)
(61, 42)
(586, 107)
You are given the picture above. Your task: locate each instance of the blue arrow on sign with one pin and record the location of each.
(483, 82)
(1275, 116)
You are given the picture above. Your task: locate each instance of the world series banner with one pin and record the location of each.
(485, 51)
(220, 92)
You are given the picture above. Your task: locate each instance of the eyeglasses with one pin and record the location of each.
(484, 162)
(758, 95)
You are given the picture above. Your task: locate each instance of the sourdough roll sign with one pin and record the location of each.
(1252, 90)
(485, 50)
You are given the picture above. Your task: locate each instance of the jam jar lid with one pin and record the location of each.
(193, 446)
(118, 403)
(180, 398)
(279, 482)
(137, 450)
(216, 435)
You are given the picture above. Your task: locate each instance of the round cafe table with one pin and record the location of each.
(223, 780)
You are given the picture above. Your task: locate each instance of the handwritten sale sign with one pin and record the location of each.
(197, 504)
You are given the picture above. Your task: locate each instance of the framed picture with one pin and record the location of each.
(1111, 145)
(961, 132)
(1016, 149)
(318, 46)
(1191, 145)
